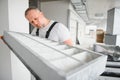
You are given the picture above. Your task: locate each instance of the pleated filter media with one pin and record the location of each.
(51, 60)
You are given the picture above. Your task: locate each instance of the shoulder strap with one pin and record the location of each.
(48, 32)
(37, 32)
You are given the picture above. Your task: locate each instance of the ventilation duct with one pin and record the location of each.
(80, 8)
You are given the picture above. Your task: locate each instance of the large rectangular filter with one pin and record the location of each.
(49, 60)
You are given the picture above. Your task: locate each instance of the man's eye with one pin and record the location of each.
(35, 19)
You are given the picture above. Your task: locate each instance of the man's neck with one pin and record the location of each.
(46, 23)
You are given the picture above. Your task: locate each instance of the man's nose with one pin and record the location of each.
(34, 22)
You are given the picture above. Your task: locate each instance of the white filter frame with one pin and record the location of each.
(32, 51)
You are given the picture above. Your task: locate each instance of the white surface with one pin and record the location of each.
(18, 23)
(108, 78)
(55, 67)
(115, 70)
(12, 18)
(84, 57)
(115, 63)
(5, 58)
(65, 64)
(71, 51)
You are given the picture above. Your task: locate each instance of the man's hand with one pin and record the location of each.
(1, 37)
(69, 42)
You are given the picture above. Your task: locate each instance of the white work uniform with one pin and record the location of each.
(58, 33)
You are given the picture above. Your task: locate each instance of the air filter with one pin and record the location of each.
(51, 60)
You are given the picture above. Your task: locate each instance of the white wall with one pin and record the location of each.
(5, 60)
(56, 10)
(102, 25)
(12, 18)
(74, 17)
(18, 23)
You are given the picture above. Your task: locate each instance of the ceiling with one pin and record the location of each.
(93, 11)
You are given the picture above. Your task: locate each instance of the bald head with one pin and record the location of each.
(31, 8)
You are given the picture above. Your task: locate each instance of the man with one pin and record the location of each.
(58, 31)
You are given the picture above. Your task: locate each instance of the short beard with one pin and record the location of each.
(42, 26)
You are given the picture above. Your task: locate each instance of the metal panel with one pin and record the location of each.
(48, 60)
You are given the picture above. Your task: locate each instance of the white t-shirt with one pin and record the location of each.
(58, 33)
